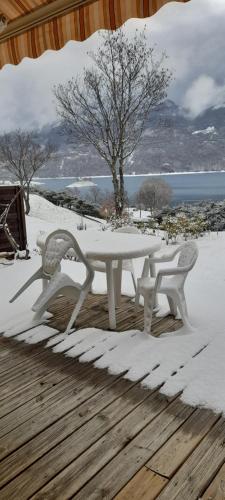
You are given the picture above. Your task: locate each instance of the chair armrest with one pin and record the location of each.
(41, 238)
(164, 257)
(173, 271)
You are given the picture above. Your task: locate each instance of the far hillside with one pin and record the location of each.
(172, 142)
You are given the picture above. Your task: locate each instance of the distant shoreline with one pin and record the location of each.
(132, 175)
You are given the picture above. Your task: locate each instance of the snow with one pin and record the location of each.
(190, 362)
(36, 183)
(206, 131)
(81, 184)
(139, 215)
(45, 210)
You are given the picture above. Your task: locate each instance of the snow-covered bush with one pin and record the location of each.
(116, 222)
(183, 227)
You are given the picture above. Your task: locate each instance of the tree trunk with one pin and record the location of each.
(26, 197)
(121, 189)
(116, 191)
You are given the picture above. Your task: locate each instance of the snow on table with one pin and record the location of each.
(107, 245)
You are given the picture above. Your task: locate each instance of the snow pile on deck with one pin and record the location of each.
(192, 364)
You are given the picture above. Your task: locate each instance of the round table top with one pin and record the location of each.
(108, 245)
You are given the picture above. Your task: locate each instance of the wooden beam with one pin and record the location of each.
(41, 15)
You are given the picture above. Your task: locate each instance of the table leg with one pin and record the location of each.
(117, 283)
(153, 275)
(111, 296)
(144, 274)
(44, 281)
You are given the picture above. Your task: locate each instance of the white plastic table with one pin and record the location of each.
(107, 247)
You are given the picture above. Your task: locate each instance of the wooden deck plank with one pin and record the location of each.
(34, 390)
(63, 428)
(82, 389)
(19, 355)
(145, 485)
(106, 483)
(216, 490)
(23, 368)
(21, 352)
(70, 448)
(18, 381)
(200, 468)
(34, 393)
(69, 430)
(110, 448)
(18, 351)
(65, 368)
(175, 451)
(33, 407)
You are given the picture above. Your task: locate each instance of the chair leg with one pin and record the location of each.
(148, 311)
(38, 315)
(134, 280)
(91, 288)
(44, 283)
(184, 304)
(76, 311)
(181, 304)
(29, 282)
(172, 305)
(137, 301)
(152, 270)
(144, 274)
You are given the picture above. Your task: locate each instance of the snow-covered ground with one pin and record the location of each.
(200, 377)
(139, 215)
(47, 212)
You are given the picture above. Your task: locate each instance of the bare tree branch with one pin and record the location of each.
(109, 105)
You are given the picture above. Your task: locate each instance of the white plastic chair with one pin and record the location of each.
(169, 282)
(55, 249)
(127, 265)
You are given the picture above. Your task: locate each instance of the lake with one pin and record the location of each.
(190, 187)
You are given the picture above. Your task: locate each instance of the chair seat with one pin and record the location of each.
(148, 284)
(57, 283)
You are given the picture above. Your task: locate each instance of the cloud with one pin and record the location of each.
(26, 96)
(203, 94)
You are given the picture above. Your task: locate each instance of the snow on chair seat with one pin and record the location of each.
(169, 282)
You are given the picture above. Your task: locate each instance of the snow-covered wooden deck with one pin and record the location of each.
(68, 430)
(94, 314)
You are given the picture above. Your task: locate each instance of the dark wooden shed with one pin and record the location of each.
(15, 219)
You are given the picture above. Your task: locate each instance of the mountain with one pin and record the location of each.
(172, 142)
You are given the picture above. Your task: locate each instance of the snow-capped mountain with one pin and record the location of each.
(172, 142)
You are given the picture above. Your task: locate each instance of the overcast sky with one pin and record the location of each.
(192, 35)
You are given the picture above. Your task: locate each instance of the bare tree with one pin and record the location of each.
(109, 104)
(23, 156)
(153, 194)
(95, 195)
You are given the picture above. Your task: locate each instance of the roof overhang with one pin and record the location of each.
(34, 26)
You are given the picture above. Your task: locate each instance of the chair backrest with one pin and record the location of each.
(188, 255)
(56, 247)
(128, 230)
